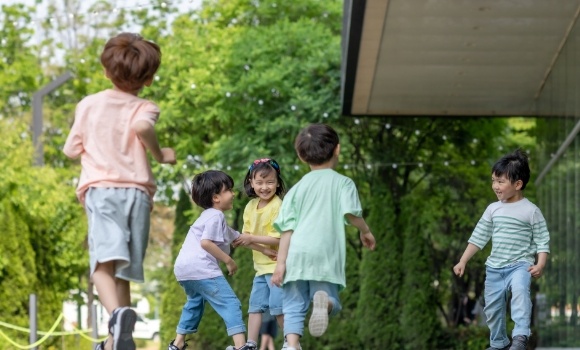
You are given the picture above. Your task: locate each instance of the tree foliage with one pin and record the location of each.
(42, 249)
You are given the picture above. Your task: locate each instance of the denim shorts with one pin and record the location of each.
(118, 229)
(297, 299)
(265, 296)
(218, 293)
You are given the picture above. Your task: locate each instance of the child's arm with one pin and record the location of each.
(366, 237)
(278, 275)
(470, 251)
(146, 133)
(219, 254)
(537, 270)
(271, 253)
(247, 239)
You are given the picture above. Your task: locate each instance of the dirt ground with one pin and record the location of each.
(151, 345)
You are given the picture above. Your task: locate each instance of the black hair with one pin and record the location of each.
(263, 166)
(514, 166)
(207, 184)
(316, 143)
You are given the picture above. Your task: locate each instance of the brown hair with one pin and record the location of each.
(207, 184)
(130, 61)
(315, 144)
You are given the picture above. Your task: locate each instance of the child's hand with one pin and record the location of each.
(368, 240)
(168, 155)
(232, 267)
(278, 275)
(536, 271)
(244, 239)
(271, 253)
(459, 269)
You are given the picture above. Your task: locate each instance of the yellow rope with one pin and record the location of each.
(40, 341)
(50, 333)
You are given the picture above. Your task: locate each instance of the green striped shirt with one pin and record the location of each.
(517, 231)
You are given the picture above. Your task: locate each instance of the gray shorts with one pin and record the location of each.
(118, 229)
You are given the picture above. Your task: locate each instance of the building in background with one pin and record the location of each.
(485, 58)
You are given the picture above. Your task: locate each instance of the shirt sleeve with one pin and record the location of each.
(148, 112)
(540, 234)
(247, 209)
(233, 234)
(73, 146)
(286, 219)
(272, 232)
(215, 229)
(483, 230)
(349, 200)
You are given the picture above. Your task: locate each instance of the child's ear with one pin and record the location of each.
(519, 185)
(337, 150)
(149, 82)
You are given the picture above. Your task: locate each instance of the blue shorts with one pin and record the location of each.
(265, 296)
(118, 229)
(218, 293)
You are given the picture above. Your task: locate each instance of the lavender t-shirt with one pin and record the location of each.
(194, 262)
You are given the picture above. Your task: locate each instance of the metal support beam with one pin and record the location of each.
(32, 316)
(37, 115)
(559, 153)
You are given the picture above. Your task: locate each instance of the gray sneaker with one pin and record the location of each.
(250, 345)
(519, 342)
(121, 326)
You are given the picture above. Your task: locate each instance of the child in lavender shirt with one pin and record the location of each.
(197, 265)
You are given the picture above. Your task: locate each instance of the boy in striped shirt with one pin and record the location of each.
(519, 235)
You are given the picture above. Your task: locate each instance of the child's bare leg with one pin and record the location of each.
(239, 340)
(106, 284)
(113, 292)
(280, 320)
(293, 340)
(123, 292)
(254, 323)
(179, 340)
(271, 345)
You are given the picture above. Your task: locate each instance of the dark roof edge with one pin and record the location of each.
(352, 26)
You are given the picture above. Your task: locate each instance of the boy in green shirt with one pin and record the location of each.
(312, 251)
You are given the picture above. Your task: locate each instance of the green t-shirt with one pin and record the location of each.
(315, 210)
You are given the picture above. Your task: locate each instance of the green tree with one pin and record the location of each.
(42, 250)
(400, 159)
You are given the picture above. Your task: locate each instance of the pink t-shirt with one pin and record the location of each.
(103, 136)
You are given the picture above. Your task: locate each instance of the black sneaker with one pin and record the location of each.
(504, 348)
(121, 326)
(519, 342)
(101, 345)
(173, 347)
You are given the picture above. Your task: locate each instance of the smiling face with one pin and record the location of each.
(506, 191)
(265, 184)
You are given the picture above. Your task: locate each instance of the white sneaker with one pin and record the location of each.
(319, 319)
(287, 347)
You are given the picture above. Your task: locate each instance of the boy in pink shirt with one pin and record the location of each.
(111, 133)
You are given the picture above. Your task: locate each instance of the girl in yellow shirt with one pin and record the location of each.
(264, 184)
